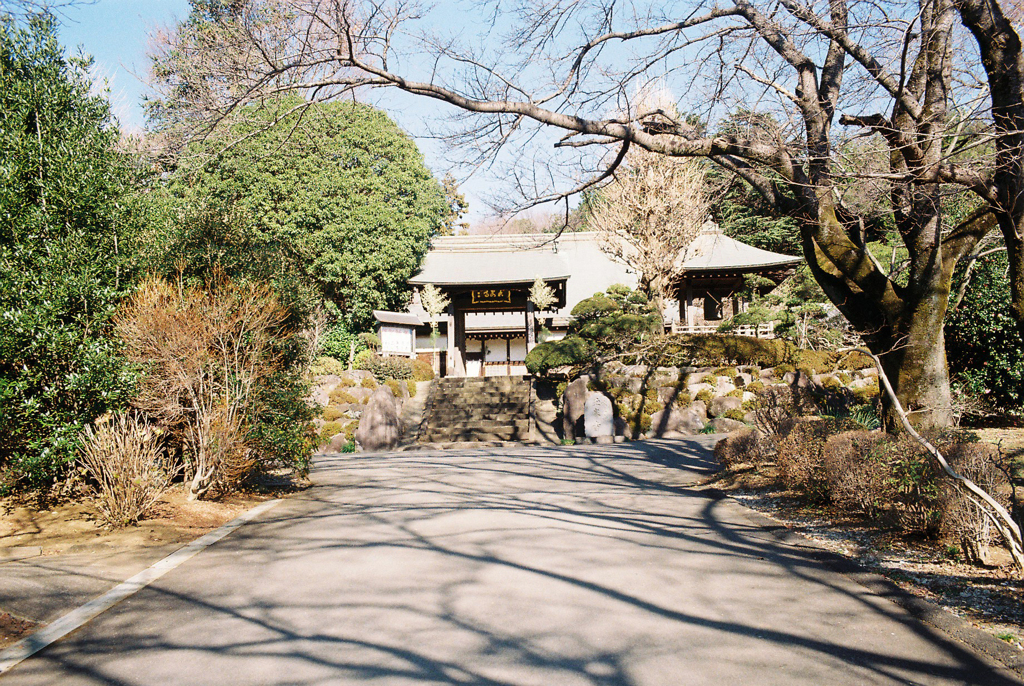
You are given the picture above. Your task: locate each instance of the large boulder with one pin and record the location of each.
(361, 394)
(670, 394)
(624, 428)
(723, 425)
(320, 393)
(599, 418)
(698, 387)
(380, 425)
(337, 443)
(724, 385)
(722, 404)
(798, 379)
(864, 382)
(675, 421)
(700, 408)
(666, 376)
(637, 370)
(573, 401)
(743, 379)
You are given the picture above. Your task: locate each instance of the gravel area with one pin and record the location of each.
(990, 598)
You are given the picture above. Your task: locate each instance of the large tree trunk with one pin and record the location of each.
(915, 362)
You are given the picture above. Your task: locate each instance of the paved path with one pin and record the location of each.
(548, 566)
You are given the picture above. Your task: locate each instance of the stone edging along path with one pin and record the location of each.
(53, 632)
(956, 627)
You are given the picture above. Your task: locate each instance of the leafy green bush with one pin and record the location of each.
(331, 413)
(705, 396)
(385, 368)
(568, 351)
(706, 350)
(780, 370)
(734, 414)
(396, 387)
(735, 393)
(328, 431)
(65, 213)
(324, 366)
(421, 370)
(727, 372)
(682, 399)
(866, 395)
(364, 360)
(984, 345)
(340, 396)
(369, 382)
(282, 431)
(754, 387)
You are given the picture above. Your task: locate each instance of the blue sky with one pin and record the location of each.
(117, 34)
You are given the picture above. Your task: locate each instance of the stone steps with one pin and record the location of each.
(490, 409)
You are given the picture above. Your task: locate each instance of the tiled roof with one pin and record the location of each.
(464, 260)
(712, 250)
(401, 318)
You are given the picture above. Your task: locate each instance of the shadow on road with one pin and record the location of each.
(554, 565)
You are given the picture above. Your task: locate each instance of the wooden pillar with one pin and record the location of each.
(531, 328)
(450, 357)
(689, 305)
(460, 343)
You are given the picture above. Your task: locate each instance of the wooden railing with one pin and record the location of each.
(766, 330)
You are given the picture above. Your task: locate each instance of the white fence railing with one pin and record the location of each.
(766, 330)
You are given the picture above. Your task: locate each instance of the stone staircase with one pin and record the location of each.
(477, 409)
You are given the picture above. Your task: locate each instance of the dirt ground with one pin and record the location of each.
(74, 526)
(991, 598)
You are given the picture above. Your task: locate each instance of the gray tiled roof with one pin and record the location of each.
(712, 250)
(516, 265)
(397, 318)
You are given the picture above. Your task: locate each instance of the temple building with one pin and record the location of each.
(490, 324)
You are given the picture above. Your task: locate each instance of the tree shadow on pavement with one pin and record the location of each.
(596, 565)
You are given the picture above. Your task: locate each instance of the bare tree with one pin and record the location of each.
(205, 353)
(939, 83)
(649, 213)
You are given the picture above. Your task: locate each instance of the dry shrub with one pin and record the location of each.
(745, 446)
(858, 480)
(124, 455)
(206, 353)
(962, 519)
(801, 458)
(776, 407)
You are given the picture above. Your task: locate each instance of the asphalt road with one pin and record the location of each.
(548, 566)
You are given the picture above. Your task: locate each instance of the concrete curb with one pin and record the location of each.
(58, 629)
(953, 626)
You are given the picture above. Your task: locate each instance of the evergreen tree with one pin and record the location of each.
(62, 188)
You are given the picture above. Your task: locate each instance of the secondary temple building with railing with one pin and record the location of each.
(490, 324)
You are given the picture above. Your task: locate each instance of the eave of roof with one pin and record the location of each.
(401, 318)
(712, 250)
(463, 268)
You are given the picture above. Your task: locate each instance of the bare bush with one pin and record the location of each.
(206, 352)
(857, 476)
(963, 519)
(124, 455)
(776, 408)
(801, 458)
(745, 446)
